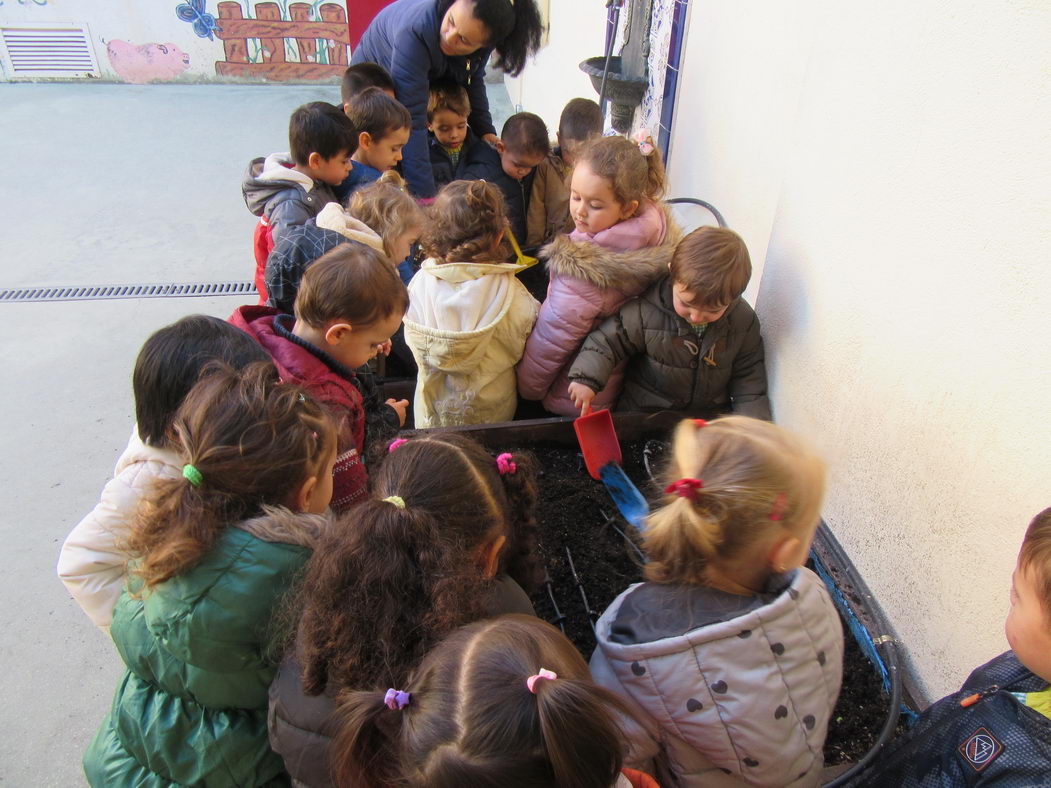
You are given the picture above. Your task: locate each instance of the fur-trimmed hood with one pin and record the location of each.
(282, 525)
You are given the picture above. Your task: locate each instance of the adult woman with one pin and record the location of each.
(418, 41)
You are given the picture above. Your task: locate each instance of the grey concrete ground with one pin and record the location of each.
(103, 184)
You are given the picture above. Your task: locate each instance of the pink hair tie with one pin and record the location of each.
(396, 443)
(395, 700)
(644, 140)
(777, 511)
(543, 673)
(505, 463)
(685, 488)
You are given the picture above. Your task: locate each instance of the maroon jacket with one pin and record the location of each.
(328, 381)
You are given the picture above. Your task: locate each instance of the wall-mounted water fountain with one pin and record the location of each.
(622, 79)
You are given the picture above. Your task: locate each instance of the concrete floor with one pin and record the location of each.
(149, 192)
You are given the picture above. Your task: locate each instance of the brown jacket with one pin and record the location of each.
(548, 214)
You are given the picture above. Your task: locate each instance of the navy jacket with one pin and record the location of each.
(360, 175)
(472, 156)
(994, 740)
(403, 38)
(487, 167)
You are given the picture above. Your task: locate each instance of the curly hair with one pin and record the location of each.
(632, 176)
(388, 209)
(468, 220)
(253, 440)
(382, 590)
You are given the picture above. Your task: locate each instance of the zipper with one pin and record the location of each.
(468, 59)
(970, 700)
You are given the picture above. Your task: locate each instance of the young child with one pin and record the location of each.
(215, 550)
(469, 316)
(382, 126)
(285, 190)
(690, 342)
(388, 208)
(441, 542)
(522, 146)
(730, 657)
(622, 244)
(349, 303)
(996, 730)
(364, 75)
(507, 701)
(548, 214)
(93, 560)
(453, 146)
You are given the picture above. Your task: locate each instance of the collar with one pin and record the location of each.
(286, 333)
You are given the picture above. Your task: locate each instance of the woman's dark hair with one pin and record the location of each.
(253, 440)
(467, 221)
(472, 720)
(515, 29)
(171, 361)
(389, 582)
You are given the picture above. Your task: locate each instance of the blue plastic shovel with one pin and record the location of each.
(602, 456)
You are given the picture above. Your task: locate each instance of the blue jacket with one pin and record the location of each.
(404, 38)
(487, 167)
(994, 740)
(360, 175)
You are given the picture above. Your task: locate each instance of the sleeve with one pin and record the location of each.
(409, 68)
(565, 318)
(287, 213)
(639, 729)
(748, 380)
(618, 338)
(91, 564)
(536, 216)
(480, 119)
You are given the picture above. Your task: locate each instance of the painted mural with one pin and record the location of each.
(139, 64)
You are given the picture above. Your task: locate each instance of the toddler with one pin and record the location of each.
(349, 304)
(622, 245)
(691, 343)
(523, 144)
(286, 189)
(436, 546)
(359, 76)
(453, 146)
(215, 549)
(730, 657)
(93, 561)
(504, 702)
(469, 316)
(387, 207)
(548, 215)
(996, 730)
(382, 126)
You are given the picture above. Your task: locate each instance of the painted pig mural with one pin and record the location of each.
(147, 62)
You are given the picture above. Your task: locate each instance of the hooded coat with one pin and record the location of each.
(467, 326)
(548, 213)
(92, 563)
(742, 701)
(199, 657)
(669, 367)
(589, 282)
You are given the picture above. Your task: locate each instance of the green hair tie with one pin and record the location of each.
(192, 475)
(397, 500)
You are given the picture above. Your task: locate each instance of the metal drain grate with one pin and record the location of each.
(105, 292)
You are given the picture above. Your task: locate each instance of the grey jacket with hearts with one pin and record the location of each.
(670, 367)
(742, 701)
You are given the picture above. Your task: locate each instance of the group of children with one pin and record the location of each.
(300, 595)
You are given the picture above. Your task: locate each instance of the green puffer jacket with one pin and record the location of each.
(669, 368)
(191, 706)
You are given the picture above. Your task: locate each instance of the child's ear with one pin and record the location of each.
(364, 140)
(489, 560)
(303, 495)
(500, 147)
(315, 160)
(346, 108)
(335, 333)
(629, 209)
(784, 553)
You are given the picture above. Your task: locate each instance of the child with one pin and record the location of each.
(548, 215)
(622, 245)
(690, 342)
(382, 126)
(501, 702)
(469, 316)
(453, 146)
(388, 208)
(436, 546)
(284, 192)
(996, 730)
(93, 561)
(349, 303)
(522, 146)
(730, 658)
(364, 75)
(216, 548)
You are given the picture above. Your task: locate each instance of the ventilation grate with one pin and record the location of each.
(47, 50)
(107, 292)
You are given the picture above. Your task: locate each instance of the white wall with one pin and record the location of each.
(576, 32)
(888, 166)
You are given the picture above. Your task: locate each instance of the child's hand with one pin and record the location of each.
(385, 347)
(581, 395)
(400, 406)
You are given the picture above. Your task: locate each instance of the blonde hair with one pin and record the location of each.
(387, 208)
(755, 477)
(632, 175)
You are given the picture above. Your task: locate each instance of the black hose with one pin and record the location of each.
(694, 201)
(615, 5)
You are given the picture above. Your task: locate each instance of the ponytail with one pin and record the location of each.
(579, 732)
(656, 179)
(363, 750)
(520, 487)
(634, 168)
(515, 29)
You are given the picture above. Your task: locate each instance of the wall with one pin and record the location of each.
(888, 168)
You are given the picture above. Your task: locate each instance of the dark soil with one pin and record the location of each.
(577, 518)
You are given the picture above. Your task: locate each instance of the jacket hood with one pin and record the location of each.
(333, 217)
(266, 177)
(282, 525)
(137, 451)
(628, 271)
